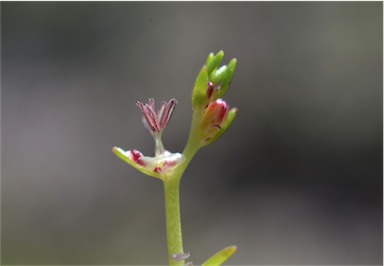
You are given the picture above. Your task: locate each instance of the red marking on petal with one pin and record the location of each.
(136, 157)
(157, 169)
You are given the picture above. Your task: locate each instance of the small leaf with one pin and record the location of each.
(199, 94)
(210, 57)
(214, 61)
(218, 75)
(220, 257)
(227, 77)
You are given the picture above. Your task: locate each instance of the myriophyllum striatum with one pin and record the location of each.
(210, 119)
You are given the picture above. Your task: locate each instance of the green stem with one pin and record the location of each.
(193, 143)
(172, 200)
(172, 211)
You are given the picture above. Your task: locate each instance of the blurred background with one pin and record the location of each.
(297, 179)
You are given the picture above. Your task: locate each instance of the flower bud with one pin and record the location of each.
(225, 125)
(212, 120)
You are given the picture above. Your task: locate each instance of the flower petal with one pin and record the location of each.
(160, 166)
(127, 157)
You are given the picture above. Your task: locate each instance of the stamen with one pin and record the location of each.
(151, 103)
(161, 110)
(148, 114)
(157, 121)
(153, 117)
(166, 115)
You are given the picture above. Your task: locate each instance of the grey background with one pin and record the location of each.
(297, 179)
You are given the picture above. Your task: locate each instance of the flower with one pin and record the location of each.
(164, 162)
(156, 122)
(160, 166)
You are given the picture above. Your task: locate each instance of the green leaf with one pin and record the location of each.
(218, 75)
(227, 77)
(220, 257)
(210, 57)
(214, 61)
(199, 94)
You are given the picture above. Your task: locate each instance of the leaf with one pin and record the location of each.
(199, 94)
(227, 77)
(220, 257)
(213, 61)
(218, 75)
